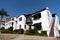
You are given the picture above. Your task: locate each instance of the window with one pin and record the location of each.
(38, 26)
(20, 19)
(37, 16)
(12, 23)
(29, 26)
(20, 27)
(25, 26)
(16, 21)
(13, 19)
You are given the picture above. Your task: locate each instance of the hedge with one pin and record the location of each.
(43, 33)
(18, 31)
(9, 30)
(31, 32)
(35, 32)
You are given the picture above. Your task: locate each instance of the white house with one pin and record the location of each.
(21, 22)
(56, 27)
(42, 20)
(6, 23)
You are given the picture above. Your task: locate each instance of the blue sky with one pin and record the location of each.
(17, 7)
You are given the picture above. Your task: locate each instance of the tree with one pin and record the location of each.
(2, 14)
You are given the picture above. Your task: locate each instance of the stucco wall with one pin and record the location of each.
(22, 22)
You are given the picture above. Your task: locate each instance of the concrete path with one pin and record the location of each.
(26, 37)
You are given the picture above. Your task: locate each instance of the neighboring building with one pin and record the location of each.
(6, 23)
(42, 20)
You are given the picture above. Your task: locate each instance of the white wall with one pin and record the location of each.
(14, 22)
(7, 25)
(56, 27)
(46, 20)
(22, 23)
(57, 22)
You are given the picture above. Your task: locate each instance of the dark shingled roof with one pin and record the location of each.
(40, 10)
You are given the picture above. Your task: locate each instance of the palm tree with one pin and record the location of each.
(2, 14)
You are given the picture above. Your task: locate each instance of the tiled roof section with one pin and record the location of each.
(6, 20)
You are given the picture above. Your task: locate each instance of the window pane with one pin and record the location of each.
(13, 19)
(20, 19)
(20, 27)
(25, 26)
(37, 16)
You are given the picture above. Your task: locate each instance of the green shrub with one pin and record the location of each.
(2, 28)
(43, 33)
(5, 31)
(31, 32)
(9, 30)
(35, 32)
(19, 31)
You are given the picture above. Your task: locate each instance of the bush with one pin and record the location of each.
(2, 28)
(31, 32)
(19, 31)
(5, 31)
(9, 30)
(43, 33)
(35, 32)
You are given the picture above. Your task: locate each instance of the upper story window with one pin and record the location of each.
(37, 16)
(13, 19)
(20, 19)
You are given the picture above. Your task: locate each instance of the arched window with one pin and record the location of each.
(20, 19)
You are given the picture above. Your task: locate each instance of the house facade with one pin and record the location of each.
(42, 20)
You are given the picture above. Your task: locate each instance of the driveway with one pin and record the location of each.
(27, 37)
